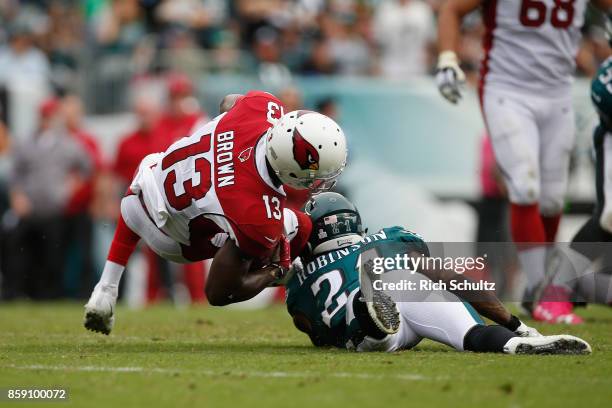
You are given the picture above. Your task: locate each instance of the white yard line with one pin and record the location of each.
(212, 373)
(95, 337)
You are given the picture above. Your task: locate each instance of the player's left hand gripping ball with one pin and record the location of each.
(449, 76)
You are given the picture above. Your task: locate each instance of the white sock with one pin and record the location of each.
(111, 274)
(533, 262)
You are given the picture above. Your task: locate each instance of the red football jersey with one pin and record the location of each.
(215, 184)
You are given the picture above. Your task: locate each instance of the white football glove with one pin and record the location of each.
(521, 329)
(285, 277)
(525, 331)
(449, 76)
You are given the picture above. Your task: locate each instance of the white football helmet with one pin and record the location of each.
(307, 150)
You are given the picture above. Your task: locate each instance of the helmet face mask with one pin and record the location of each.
(306, 150)
(322, 185)
(316, 185)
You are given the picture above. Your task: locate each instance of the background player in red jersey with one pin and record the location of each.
(219, 194)
(525, 94)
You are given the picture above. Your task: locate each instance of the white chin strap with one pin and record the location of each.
(337, 243)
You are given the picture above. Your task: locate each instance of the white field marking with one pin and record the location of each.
(212, 373)
(94, 337)
(117, 337)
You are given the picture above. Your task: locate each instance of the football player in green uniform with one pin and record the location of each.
(330, 301)
(571, 280)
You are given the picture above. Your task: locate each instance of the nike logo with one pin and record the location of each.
(270, 239)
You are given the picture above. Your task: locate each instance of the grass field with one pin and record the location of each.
(204, 357)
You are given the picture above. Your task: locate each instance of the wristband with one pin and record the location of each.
(513, 324)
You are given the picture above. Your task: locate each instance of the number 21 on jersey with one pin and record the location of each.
(335, 299)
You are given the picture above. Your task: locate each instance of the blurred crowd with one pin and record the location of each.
(61, 59)
(97, 47)
(61, 193)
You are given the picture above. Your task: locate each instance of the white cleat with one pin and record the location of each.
(560, 344)
(100, 309)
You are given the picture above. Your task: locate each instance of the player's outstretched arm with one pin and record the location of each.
(231, 280)
(449, 76)
(449, 21)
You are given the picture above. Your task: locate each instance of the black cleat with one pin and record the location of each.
(96, 323)
(384, 313)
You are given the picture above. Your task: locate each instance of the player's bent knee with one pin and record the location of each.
(525, 193)
(524, 198)
(138, 221)
(605, 220)
(550, 206)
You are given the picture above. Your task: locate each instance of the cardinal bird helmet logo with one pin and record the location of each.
(304, 153)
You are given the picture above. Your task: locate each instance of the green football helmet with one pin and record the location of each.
(601, 92)
(336, 222)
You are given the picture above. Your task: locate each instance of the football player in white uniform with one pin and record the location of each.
(218, 194)
(578, 272)
(525, 95)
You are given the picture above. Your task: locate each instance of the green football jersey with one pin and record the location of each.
(601, 89)
(317, 295)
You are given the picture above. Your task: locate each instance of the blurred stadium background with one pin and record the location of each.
(88, 88)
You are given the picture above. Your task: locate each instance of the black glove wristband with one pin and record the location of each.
(513, 324)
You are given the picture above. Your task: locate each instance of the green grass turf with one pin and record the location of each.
(204, 356)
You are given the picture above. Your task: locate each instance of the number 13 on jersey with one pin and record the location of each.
(275, 112)
(273, 209)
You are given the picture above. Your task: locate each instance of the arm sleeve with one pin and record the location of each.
(257, 241)
(414, 241)
(297, 229)
(260, 240)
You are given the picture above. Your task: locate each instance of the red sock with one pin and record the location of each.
(526, 224)
(551, 225)
(124, 243)
(155, 289)
(194, 280)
